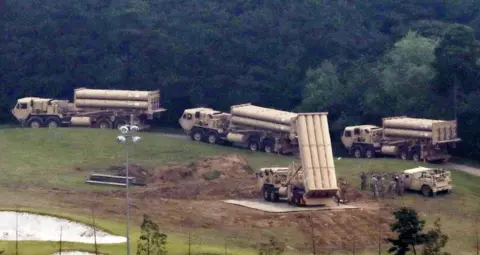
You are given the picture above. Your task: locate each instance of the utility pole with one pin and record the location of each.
(313, 235)
(455, 84)
(379, 231)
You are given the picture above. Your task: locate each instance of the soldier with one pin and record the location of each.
(402, 184)
(375, 186)
(381, 186)
(343, 189)
(397, 184)
(392, 188)
(363, 177)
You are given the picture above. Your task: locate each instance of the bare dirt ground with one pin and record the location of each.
(187, 196)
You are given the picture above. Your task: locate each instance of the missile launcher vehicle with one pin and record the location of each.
(255, 127)
(315, 181)
(96, 108)
(406, 138)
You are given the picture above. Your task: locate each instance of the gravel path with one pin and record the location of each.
(464, 168)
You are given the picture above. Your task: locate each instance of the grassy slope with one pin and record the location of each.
(46, 158)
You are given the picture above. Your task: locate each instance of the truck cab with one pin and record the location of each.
(429, 181)
(205, 118)
(364, 134)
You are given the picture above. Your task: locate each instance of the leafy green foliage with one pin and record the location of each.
(436, 240)
(355, 59)
(151, 241)
(409, 229)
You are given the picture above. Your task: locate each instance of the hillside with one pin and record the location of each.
(44, 170)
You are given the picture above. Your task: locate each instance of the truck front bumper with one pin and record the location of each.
(443, 188)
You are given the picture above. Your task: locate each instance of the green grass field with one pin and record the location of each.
(46, 158)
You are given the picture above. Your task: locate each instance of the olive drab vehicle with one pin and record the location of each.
(403, 137)
(91, 108)
(429, 181)
(257, 128)
(314, 182)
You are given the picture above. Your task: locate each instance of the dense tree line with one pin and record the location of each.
(359, 60)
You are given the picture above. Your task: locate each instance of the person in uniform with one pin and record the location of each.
(375, 186)
(392, 189)
(402, 184)
(363, 177)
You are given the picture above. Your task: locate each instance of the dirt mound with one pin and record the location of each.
(218, 177)
(136, 171)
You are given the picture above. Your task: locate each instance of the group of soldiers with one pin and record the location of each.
(380, 186)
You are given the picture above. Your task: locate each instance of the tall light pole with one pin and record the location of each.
(128, 133)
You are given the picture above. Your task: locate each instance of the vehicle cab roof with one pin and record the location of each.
(363, 127)
(417, 170)
(202, 109)
(275, 169)
(36, 99)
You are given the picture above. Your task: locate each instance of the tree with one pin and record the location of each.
(409, 228)
(273, 247)
(435, 241)
(407, 72)
(151, 241)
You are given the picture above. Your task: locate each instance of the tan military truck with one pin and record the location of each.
(403, 137)
(312, 183)
(91, 108)
(429, 181)
(247, 125)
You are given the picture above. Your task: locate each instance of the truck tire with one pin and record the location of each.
(197, 135)
(35, 122)
(253, 146)
(426, 191)
(267, 193)
(53, 122)
(369, 153)
(212, 138)
(268, 147)
(120, 122)
(416, 156)
(104, 124)
(357, 152)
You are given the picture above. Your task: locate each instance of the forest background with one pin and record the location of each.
(358, 60)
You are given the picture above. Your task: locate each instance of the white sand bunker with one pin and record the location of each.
(34, 227)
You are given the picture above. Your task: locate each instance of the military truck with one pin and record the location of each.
(403, 137)
(314, 182)
(429, 181)
(255, 127)
(94, 108)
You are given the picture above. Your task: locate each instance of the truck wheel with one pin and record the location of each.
(197, 135)
(120, 122)
(268, 147)
(53, 123)
(253, 146)
(276, 197)
(416, 156)
(369, 153)
(267, 194)
(426, 191)
(212, 138)
(357, 151)
(35, 122)
(105, 124)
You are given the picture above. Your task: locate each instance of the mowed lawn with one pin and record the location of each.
(48, 158)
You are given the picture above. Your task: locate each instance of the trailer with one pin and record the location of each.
(314, 182)
(95, 108)
(403, 137)
(255, 127)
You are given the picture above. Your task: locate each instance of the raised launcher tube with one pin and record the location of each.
(316, 155)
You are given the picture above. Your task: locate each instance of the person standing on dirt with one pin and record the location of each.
(401, 183)
(363, 177)
(343, 190)
(392, 189)
(375, 186)
(397, 184)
